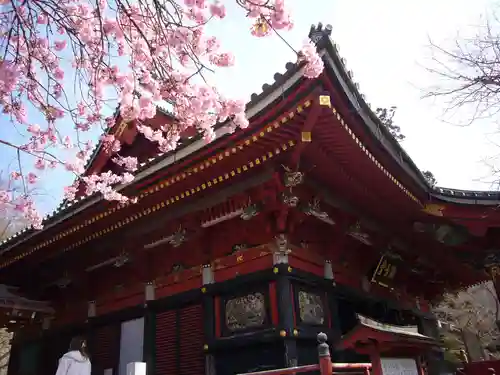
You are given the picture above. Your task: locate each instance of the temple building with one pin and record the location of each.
(238, 253)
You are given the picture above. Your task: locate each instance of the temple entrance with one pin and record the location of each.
(131, 343)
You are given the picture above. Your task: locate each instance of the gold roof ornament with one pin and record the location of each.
(433, 209)
(261, 26)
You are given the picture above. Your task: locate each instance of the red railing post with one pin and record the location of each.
(325, 361)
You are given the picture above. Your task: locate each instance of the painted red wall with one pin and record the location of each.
(116, 288)
(481, 368)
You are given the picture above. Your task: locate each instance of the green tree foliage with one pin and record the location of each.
(452, 345)
(429, 177)
(386, 117)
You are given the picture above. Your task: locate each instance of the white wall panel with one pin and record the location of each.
(131, 343)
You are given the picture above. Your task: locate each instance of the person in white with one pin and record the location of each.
(76, 361)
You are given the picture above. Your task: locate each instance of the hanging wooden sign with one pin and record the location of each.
(386, 271)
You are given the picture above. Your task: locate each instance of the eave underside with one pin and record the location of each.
(336, 164)
(345, 157)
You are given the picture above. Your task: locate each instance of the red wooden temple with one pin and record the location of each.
(238, 253)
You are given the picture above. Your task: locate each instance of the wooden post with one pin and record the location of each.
(285, 314)
(376, 360)
(325, 361)
(420, 366)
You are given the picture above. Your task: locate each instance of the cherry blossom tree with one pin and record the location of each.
(68, 62)
(476, 310)
(5, 339)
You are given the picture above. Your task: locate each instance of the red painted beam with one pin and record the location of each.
(311, 120)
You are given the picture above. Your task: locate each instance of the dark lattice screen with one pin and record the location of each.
(13, 359)
(105, 349)
(179, 342)
(166, 343)
(192, 359)
(29, 358)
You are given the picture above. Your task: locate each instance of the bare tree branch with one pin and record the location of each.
(469, 73)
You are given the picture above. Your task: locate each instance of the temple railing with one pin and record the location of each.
(325, 365)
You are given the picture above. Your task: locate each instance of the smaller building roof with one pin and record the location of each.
(386, 336)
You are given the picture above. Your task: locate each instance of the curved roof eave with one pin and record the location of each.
(371, 122)
(259, 102)
(383, 137)
(470, 197)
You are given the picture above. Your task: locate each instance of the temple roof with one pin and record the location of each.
(387, 336)
(336, 69)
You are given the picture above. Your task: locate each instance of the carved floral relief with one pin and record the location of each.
(246, 312)
(311, 309)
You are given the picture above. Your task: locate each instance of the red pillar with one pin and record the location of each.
(376, 360)
(421, 367)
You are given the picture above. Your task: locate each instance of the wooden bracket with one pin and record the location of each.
(318, 103)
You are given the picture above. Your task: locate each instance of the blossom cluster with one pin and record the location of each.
(134, 53)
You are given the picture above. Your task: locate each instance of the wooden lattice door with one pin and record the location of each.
(179, 342)
(105, 349)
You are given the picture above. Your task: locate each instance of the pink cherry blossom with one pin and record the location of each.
(61, 61)
(4, 197)
(31, 178)
(223, 59)
(40, 164)
(15, 175)
(59, 45)
(42, 19)
(70, 192)
(58, 73)
(218, 10)
(313, 63)
(67, 142)
(129, 163)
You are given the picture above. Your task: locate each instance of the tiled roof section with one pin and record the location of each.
(491, 197)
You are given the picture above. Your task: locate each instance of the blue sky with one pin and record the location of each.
(385, 43)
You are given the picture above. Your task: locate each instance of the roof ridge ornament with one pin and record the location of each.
(318, 33)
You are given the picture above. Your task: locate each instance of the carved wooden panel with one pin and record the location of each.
(311, 308)
(246, 312)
